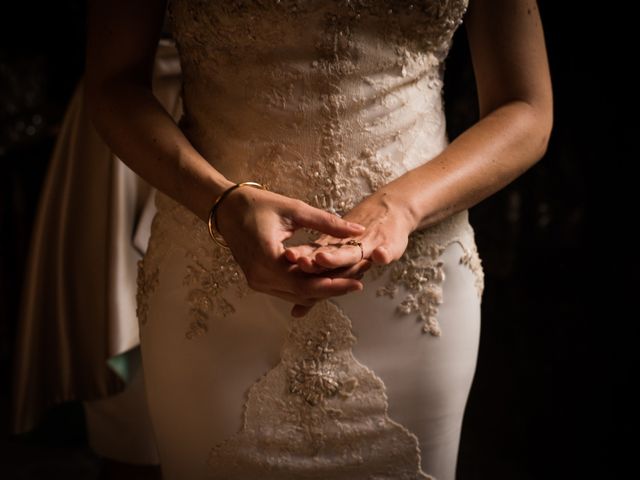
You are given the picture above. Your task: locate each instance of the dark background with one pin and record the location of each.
(551, 392)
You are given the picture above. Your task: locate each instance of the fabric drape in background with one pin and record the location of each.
(78, 306)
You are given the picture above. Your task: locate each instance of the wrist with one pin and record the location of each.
(213, 188)
(414, 198)
(399, 204)
(232, 201)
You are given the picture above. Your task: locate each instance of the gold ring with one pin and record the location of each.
(357, 243)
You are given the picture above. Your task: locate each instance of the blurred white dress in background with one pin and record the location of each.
(78, 332)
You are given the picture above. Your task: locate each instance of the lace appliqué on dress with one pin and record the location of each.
(146, 284)
(318, 414)
(422, 274)
(472, 260)
(211, 274)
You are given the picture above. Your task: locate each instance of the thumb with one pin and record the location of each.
(381, 255)
(325, 222)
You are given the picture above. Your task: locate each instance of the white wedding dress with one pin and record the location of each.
(325, 101)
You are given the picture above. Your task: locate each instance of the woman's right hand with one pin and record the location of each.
(255, 223)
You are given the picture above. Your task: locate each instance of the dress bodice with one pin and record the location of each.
(322, 100)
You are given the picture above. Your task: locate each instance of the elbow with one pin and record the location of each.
(531, 125)
(539, 128)
(544, 123)
(546, 129)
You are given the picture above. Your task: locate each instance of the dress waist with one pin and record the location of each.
(177, 226)
(332, 167)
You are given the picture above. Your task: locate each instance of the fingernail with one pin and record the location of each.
(357, 225)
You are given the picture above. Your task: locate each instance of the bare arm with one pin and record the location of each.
(516, 116)
(514, 93)
(121, 46)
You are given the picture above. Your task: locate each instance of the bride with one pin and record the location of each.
(309, 303)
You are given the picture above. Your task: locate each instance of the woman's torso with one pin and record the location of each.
(325, 101)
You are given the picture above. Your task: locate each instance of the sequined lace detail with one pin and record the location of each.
(284, 435)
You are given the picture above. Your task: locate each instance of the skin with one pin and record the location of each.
(516, 115)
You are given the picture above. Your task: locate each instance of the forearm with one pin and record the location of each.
(484, 159)
(145, 137)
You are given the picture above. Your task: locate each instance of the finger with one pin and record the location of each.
(302, 305)
(302, 255)
(307, 264)
(288, 267)
(381, 255)
(291, 280)
(339, 257)
(350, 271)
(289, 277)
(320, 286)
(325, 222)
(293, 253)
(354, 271)
(333, 258)
(301, 308)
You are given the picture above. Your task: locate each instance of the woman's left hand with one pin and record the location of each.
(388, 222)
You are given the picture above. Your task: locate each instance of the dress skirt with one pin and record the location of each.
(237, 387)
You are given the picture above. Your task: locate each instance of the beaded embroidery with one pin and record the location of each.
(284, 435)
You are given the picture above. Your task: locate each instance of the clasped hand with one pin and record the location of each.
(255, 223)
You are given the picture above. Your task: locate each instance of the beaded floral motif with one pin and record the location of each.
(287, 436)
(314, 376)
(212, 272)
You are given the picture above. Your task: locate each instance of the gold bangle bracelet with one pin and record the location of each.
(213, 220)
